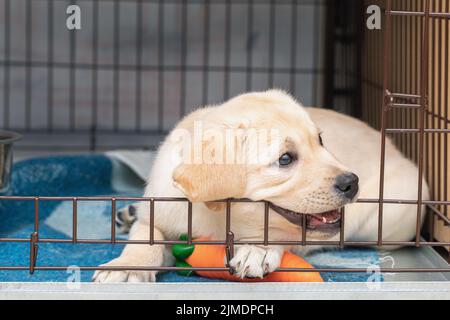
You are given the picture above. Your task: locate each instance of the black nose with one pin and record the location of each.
(347, 185)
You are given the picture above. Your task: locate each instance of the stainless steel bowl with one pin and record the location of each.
(7, 139)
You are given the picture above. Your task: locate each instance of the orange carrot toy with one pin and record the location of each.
(212, 256)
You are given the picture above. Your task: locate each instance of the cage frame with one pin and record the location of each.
(390, 103)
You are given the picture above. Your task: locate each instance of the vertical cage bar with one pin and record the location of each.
(6, 67)
(152, 221)
(116, 66)
(34, 238)
(183, 56)
(447, 103)
(409, 25)
(417, 70)
(138, 72)
(228, 217)
(206, 36)
(439, 109)
(424, 102)
(304, 231)
(229, 236)
(415, 74)
(74, 220)
(342, 230)
(386, 100)
(189, 222)
(403, 80)
(229, 249)
(391, 116)
(36, 214)
(33, 251)
(113, 220)
(433, 122)
(266, 223)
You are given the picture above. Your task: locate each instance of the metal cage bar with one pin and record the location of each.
(34, 239)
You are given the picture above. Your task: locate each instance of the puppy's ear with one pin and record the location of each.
(218, 173)
(209, 182)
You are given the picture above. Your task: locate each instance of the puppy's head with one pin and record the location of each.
(264, 146)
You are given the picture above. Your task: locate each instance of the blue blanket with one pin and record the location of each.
(93, 175)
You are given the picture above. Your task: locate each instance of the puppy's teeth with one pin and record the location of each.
(324, 220)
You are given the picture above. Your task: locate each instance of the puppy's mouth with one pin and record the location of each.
(325, 221)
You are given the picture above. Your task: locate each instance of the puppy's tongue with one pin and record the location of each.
(323, 218)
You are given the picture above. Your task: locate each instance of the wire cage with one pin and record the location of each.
(137, 66)
(410, 63)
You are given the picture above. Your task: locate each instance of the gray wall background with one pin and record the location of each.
(33, 69)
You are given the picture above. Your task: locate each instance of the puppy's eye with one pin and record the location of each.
(320, 139)
(286, 159)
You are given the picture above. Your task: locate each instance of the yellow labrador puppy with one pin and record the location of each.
(266, 146)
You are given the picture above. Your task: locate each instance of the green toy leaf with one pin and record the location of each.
(183, 264)
(182, 251)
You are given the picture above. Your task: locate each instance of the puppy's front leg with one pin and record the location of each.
(256, 261)
(136, 255)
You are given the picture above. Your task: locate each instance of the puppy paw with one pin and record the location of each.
(125, 218)
(255, 261)
(122, 276)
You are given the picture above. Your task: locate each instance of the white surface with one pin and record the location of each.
(228, 291)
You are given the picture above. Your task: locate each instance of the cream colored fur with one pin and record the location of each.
(350, 145)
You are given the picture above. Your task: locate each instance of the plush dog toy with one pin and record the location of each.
(203, 256)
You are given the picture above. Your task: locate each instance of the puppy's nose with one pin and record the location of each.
(347, 185)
